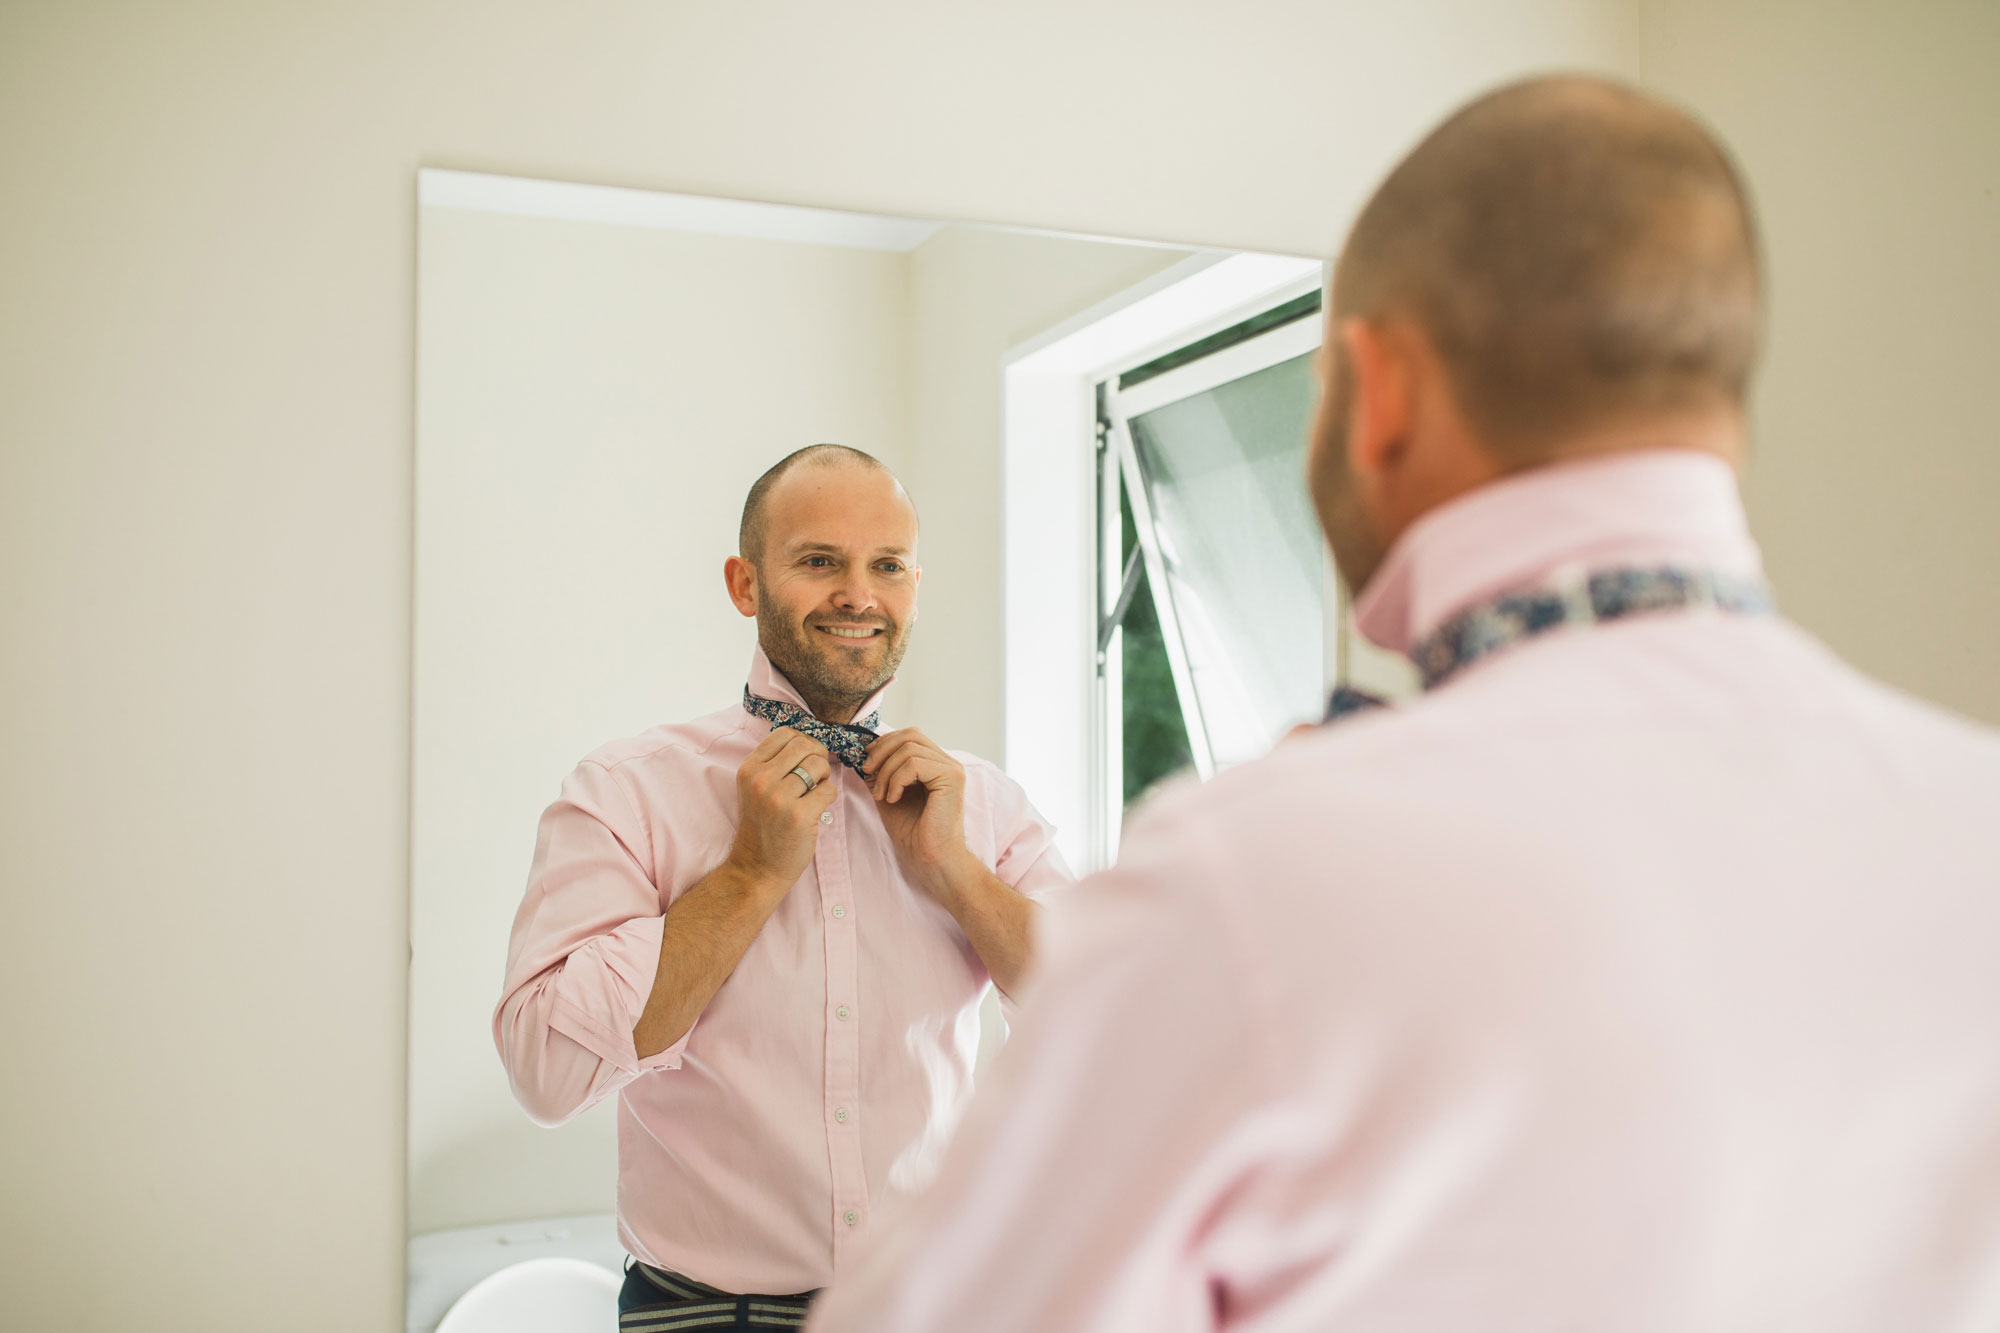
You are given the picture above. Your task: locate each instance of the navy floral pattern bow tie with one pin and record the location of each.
(1611, 594)
(846, 742)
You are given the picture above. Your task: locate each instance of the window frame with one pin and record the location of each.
(1120, 481)
(1051, 603)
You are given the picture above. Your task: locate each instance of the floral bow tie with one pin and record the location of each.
(1610, 594)
(846, 742)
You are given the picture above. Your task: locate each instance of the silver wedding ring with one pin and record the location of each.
(805, 777)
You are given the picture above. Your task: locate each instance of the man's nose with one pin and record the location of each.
(855, 593)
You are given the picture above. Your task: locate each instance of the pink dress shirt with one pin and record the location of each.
(1642, 978)
(821, 1082)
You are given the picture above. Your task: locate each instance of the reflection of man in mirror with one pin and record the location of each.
(769, 930)
(1640, 974)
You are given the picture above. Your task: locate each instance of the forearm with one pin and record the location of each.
(704, 934)
(998, 921)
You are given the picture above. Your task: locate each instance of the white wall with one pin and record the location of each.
(1871, 136)
(207, 280)
(593, 402)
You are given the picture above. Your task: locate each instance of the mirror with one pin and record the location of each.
(1103, 439)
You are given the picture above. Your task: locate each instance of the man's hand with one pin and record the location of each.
(778, 824)
(920, 791)
(708, 928)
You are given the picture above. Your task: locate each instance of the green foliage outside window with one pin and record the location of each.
(1156, 741)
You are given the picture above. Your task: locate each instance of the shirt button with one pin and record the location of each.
(852, 1217)
(841, 1013)
(826, 816)
(839, 912)
(841, 1115)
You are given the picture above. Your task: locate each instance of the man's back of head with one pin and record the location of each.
(1565, 267)
(1577, 252)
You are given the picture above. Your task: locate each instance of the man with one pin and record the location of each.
(1639, 975)
(769, 930)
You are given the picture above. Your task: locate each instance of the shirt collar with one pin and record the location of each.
(767, 682)
(1654, 507)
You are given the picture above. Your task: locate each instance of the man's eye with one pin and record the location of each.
(818, 561)
(890, 567)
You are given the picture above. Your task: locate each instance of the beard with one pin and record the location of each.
(833, 680)
(1357, 545)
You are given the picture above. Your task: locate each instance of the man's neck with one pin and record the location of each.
(1638, 509)
(837, 709)
(841, 712)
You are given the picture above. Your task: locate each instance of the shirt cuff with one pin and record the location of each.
(1048, 876)
(631, 954)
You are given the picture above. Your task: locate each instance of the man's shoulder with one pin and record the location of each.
(1314, 770)
(1516, 749)
(1922, 720)
(1322, 805)
(988, 778)
(974, 763)
(674, 745)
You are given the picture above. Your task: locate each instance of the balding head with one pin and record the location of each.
(756, 505)
(1576, 252)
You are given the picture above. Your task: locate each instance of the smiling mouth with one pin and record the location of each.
(850, 632)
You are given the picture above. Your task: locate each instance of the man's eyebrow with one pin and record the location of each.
(829, 548)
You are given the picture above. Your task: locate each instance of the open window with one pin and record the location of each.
(1214, 591)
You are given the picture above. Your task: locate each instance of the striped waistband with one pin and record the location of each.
(686, 1305)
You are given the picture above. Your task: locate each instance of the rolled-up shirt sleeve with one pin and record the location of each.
(1024, 854)
(584, 952)
(1024, 845)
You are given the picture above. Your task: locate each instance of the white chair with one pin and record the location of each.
(539, 1296)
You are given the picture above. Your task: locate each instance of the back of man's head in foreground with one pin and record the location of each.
(1577, 257)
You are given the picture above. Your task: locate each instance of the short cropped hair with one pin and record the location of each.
(750, 532)
(1576, 251)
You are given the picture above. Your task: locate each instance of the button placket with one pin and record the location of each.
(843, 1047)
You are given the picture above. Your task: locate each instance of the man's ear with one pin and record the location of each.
(740, 577)
(1380, 402)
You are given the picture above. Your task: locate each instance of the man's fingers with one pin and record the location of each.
(885, 779)
(766, 768)
(797, 747)
(773, 747)
(912, 768)
(884, 747)
(885, 750)
(771, 744)
(817, 766)
(890, 763)
(784, 770)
